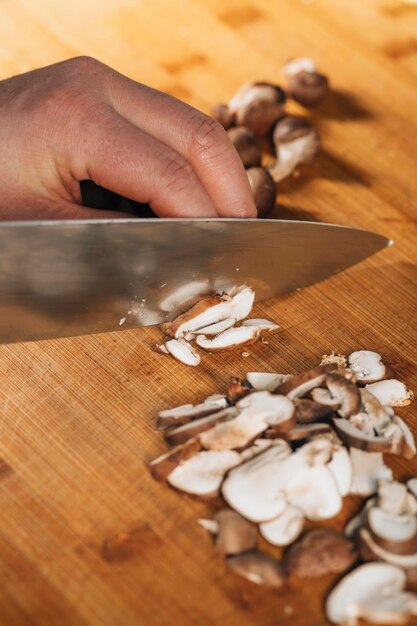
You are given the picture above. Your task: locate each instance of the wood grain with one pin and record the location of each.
(86, 537)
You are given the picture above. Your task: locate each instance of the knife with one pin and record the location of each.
(65, 278)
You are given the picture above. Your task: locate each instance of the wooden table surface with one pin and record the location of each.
(86, 537)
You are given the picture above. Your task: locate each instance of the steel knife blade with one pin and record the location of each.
(65, 278)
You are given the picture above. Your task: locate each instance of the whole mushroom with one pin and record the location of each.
(263, 188)
(304, 83)
(296, 142)
(247, 145)
(258, 106)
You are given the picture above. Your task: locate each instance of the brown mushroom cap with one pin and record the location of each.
(238, 389)
(321, 551)
(345, 392)
(223, 115)
(259, 568)
(258, 106)
(307, 88)
(291, 127)
(234, 534)
(307, 411)
(162, 466)
(247, 145)
(301, 384)
(183, 433)
(263, 188)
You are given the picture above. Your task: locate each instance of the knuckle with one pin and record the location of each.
(176, 173)
(84, 64)
(209, 139)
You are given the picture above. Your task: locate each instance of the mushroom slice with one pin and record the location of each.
(188, 412)
(262, 324)
(307, 411)
(321, 551)
(371, 550)
(238, 389)
(395, 498)
(242, 303)
(391, 392)
(357, 438)
(314, 491)
(203, 473)
(375, 410)
(402, 440)
(345, 392)
(340, 466)
(260, 445)
(301, 384)
(255, 489)
(263, 381)
(359, 520)
(259, 568)
(234, 534)
(257, 411)
(229, 339)
(323, 396)
(368, 469)
(219, 327)
(412, 486)
(367, 365)
(162, 466)
(192, 429)
(205, 312)
(209, 524)
(393, 532)
(285, 528)
(373, 592)
(183, 352)
(304, 431)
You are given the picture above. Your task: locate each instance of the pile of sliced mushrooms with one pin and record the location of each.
(257, 111)
(283, 451)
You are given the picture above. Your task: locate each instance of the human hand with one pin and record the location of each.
(81, 120)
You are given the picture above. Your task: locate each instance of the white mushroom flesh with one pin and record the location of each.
(219, 327)
(406, 561)
(242, 303)
(293, 153)
(262, 324)
(367, 365)
(249, 92)
(284, 529)
(373, 591)
(303, 64)
(340, 466)
(203, 474)
(255, 489)
(391, 392)
(368, 469)
(257, 411)
(392, 526)
(183, 352)
(236, 336)
(263, 381)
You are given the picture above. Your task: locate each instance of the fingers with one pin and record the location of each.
(196, 137)
(123, 158)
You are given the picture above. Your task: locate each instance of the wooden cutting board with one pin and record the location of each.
(86, 537)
